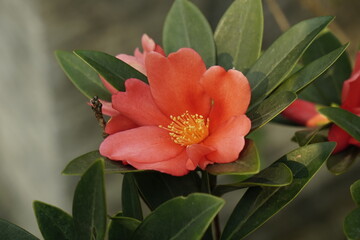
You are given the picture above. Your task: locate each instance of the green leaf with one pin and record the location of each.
(156, 188)
(122, 228)
(9, 231)
(82, 76)
(247, 163)
(180, 218)
(270, 108)
(238, 36)
(311, 71)
(260, 203)
(111, 68)
(310, 135)
(355, 192)
(342, 161)
(344, 119)
(270, 70)
(326, 89)
(352, 225)
(186, 26)
(53, 222)
(276, 175)
(80, 164)
(89, 207)
(130, 198)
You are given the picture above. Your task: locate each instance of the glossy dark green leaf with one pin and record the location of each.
(79, 165)
(342, 161)
(89, 206)
(85, 79)
(10, 231)
(352, 225)
(271, 69)
(355, 192)
(238, 36)
(156, 188)
(310, 135)
(260, 203)
(248, 163)
(270, 108)
(180, 218)
(186, 26)
(53, 222)
(276, 175)
(111, 68)
(130, 198)
(344, 119)
(122, 228)
(326, 89)
(311, 71)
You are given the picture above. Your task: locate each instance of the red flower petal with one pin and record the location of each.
(351, 92)
(355, 142)
(228, 139)
(138, 105)
(107, 109)
(147, 144)
(338, 135)
(174, 82)
(300, 112)
(108, 86)
(175, 166)
(119, 123)
(230, 91)
(197, 153)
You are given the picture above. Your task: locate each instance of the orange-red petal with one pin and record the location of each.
(138, 105)
(119, 123)
(230, 91)
(341, 137)
(107, 109)
(174, 82)
(175, 166)
(300, 112)
(148, 144)
(228, 139)
(197, 154)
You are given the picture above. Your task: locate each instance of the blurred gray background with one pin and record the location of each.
(45, 121)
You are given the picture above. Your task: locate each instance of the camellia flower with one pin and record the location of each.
(119, 122)
(305, 113)
(186, 117)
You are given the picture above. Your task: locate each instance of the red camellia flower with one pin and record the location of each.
(186, 117)
(305, 113)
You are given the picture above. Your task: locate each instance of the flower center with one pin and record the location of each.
(188, 129)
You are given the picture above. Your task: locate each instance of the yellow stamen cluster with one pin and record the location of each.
(188, 129)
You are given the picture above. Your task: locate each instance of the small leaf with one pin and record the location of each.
(247, 163)
(355, 192)
(270, 70)
(80, 164)
(310, 135)
(89, 207)
(111, 68)
(186, 26)
(270, 108)
(326, 89)
(82, 76)
(156, 188)
(276, 175)
(130, 198)
(9, 231)
(311, 71)
(260, 203)
(342, 161)
(238, 43)
(344, 119)
(53, 222)
(352, 225)
(122, 228)
(180, 218)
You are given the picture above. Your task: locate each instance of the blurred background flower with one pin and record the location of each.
(45, 121)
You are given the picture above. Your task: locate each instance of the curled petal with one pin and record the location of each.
(230, 91)
(175, 166)
(135, 62)
(197, 154)
(355, 142)
(301, 112)
(119, 123)
(108, 86)
(174, 82)
(147, 144)
(107, 109)
(341, 137)
(228, 139)
(137, 104)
